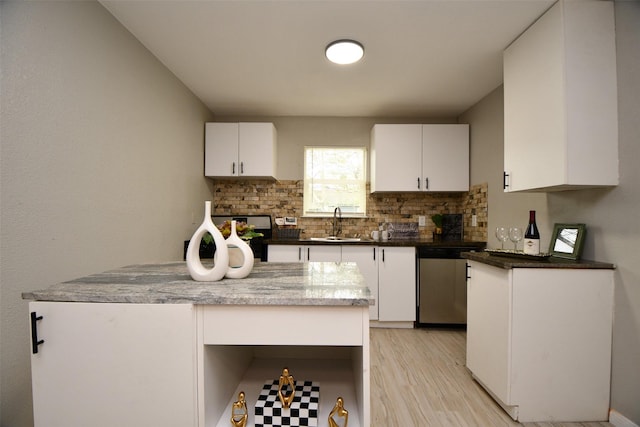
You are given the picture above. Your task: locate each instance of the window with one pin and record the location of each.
(335, 177)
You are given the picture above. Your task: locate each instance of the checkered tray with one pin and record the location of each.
(302, 412)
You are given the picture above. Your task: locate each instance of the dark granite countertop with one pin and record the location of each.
(369, 242)
(551, 262)
(301, 284)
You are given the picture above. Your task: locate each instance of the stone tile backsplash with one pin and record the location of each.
(284, 198)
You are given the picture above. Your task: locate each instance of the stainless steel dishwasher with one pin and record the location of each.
(442, 287)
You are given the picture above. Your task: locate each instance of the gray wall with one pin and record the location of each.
(101, 163)
(611, 215)
(486, 121)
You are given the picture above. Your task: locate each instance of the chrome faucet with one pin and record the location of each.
(337, 221)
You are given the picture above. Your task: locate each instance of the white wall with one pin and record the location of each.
(611, 214)
(101, 163)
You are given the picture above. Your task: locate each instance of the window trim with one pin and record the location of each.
(363, 182)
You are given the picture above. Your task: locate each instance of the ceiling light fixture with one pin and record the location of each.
(344, 52)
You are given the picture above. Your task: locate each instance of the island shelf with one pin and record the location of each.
(335, 369)
(245, 346)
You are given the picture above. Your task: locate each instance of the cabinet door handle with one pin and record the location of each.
(374, 254)
(233, 168)
(35, 342)
(308, 254)
(241, 168)
(299, 254)
(467, 267)
(426, 183)
(418, 183)
(383, 255)
(504, 180)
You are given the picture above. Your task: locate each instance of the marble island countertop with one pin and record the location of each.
(305, 284)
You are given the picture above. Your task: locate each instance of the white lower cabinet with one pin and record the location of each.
(303, 253)
(390, 272)
(397, 284)
(367, 259)
(105, 365)
(322, 253)
(285, 253)
(539, 340)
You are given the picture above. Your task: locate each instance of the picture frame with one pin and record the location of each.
(567, 241)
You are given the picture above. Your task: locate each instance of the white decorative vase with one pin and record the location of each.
(240, 255)
(197, 271)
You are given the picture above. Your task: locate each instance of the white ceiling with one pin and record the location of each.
(423, 58)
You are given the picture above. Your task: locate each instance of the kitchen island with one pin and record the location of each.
(146, 345)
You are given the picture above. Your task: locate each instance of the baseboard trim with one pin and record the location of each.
(619, 420)
(395, 325)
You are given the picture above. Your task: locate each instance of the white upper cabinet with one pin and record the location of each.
(560, 101)
(415, 157)
(240, 150)
(445, 157)
(396, 163)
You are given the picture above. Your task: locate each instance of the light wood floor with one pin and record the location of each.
(419, 379)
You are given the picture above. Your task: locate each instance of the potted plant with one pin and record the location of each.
(437, 221)
(244, 231)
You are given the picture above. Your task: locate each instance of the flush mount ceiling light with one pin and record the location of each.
(344, 51)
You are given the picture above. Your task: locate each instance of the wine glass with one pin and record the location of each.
(502, 234)
(515, 235)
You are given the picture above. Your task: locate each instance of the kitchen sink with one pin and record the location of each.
(335, 239)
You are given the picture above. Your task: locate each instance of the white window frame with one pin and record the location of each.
(349, 189)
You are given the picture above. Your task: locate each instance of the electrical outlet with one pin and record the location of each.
(474, 220)
(290, 220)
(422, 221)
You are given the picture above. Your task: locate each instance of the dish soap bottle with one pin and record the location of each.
(532, 236)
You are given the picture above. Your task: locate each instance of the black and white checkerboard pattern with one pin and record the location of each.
(302, 412)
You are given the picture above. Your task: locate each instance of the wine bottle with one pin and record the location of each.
(532, 236)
